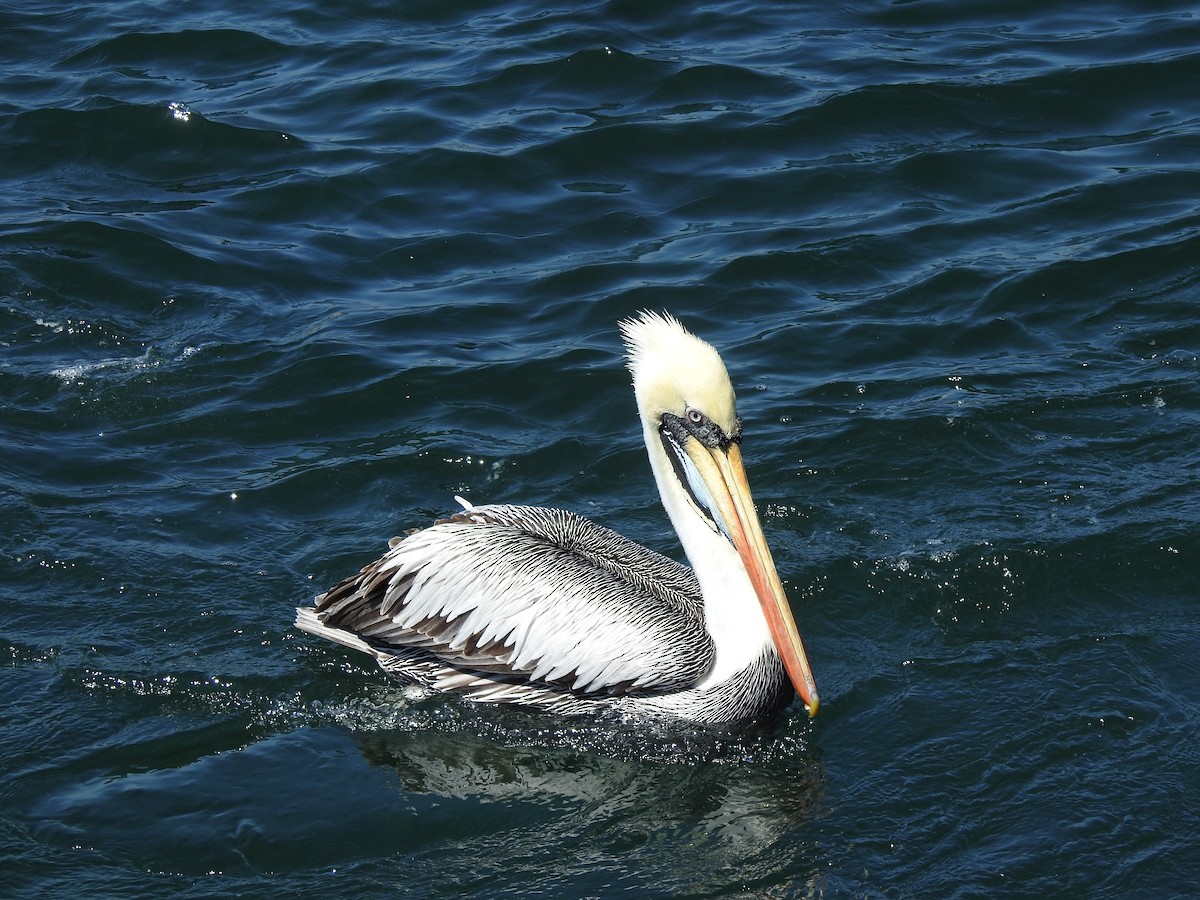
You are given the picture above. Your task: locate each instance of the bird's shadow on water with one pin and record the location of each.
(753, 785)
(178, 790)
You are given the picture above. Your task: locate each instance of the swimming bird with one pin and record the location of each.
(541, 607)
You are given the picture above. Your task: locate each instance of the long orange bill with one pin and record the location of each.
(731, 493)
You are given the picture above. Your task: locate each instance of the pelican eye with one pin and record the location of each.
(696, 424)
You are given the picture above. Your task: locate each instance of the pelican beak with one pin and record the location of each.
(725, 477)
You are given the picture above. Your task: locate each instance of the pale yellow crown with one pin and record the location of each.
(674, 371)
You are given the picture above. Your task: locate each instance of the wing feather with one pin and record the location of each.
(533, 595)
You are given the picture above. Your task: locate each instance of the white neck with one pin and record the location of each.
(733, 616)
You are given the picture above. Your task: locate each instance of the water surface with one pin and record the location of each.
(275, 284)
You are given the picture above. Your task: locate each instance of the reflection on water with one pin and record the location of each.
(387, 773)
(694, 777)
(691, 807)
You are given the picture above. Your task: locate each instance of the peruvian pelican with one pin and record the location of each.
(520, 604)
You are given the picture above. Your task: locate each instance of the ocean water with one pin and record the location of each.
(278, 280)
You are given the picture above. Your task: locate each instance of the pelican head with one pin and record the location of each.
(693, 433)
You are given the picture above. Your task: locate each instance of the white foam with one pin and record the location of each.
(74, 374)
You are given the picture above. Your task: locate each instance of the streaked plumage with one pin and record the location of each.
(541, 607)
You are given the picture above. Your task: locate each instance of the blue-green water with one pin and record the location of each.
(276, 282)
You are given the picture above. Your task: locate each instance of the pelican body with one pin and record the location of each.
(541, 607)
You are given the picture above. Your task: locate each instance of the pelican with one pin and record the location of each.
(541, 607)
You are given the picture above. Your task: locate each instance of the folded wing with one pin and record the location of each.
(529, 595)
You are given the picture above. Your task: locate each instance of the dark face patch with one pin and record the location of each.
(695, 424)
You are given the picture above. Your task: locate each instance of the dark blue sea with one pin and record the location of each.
(278, 280)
